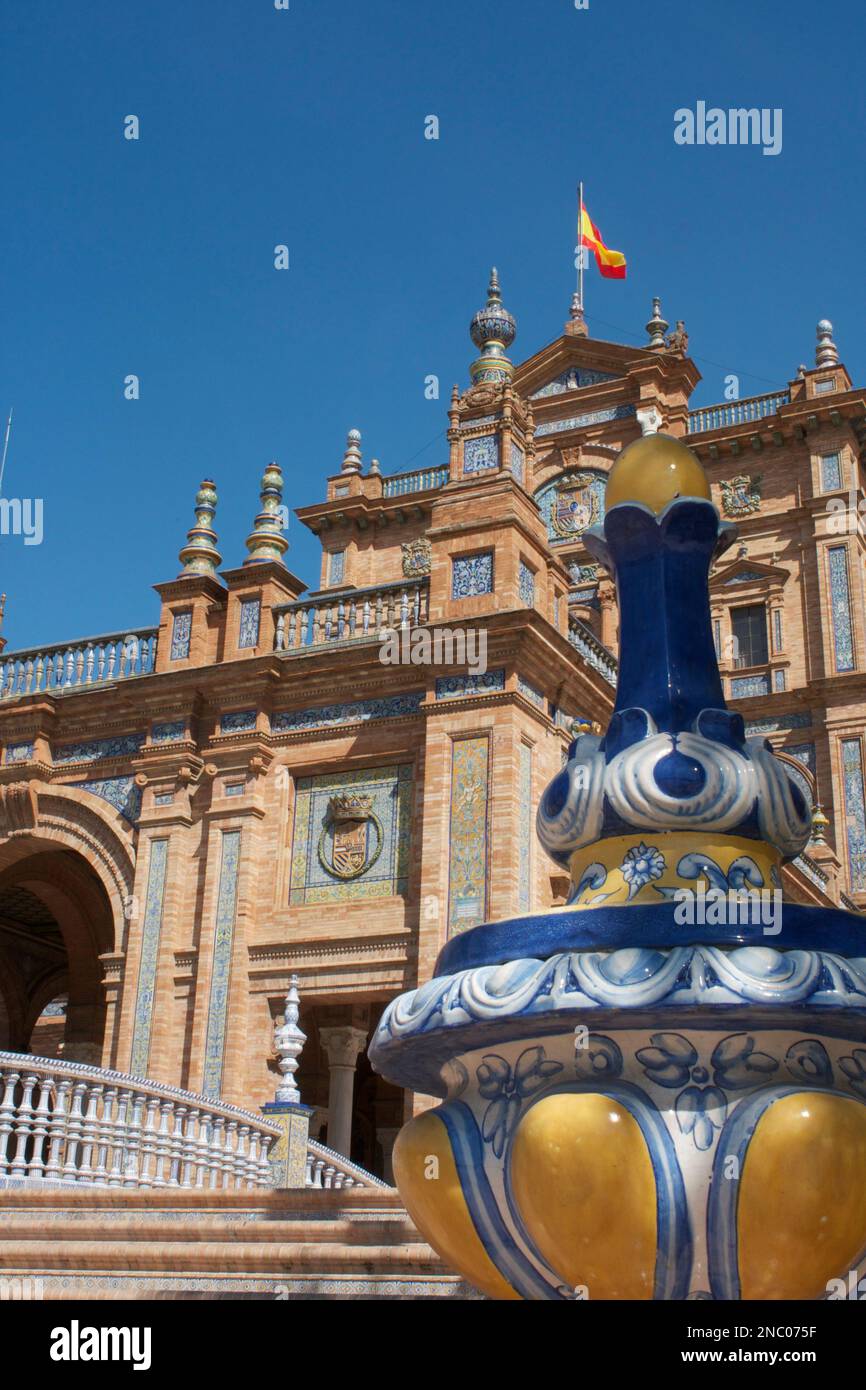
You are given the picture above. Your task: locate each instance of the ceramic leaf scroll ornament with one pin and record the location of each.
(658, 1090)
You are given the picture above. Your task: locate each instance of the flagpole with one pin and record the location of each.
(580, 245)
(5, 450)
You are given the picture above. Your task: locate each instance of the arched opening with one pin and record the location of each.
(55, 923)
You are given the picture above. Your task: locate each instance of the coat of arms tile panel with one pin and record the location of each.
(351, 835)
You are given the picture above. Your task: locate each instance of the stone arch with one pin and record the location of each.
(66, 877)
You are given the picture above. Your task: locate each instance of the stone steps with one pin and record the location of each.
(96, 1243)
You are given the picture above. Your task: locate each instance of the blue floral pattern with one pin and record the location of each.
(506, 1089)
(641, 865)
(672, 1061)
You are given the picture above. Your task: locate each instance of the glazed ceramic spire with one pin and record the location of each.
(200, 555)
(266, 542)
(492, 330)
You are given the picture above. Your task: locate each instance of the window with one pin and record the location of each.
(749, 627)
(831, 472)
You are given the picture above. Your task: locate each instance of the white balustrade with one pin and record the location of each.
(351, 615)
(78, 665)
(64, 1122)
(325, 1168)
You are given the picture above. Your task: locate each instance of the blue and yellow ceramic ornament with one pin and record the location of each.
(659, 1090)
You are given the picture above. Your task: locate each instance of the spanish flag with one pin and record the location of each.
(611, 264)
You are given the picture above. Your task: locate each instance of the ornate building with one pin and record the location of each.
(331, 782)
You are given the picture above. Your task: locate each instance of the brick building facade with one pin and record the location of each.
(191, 813)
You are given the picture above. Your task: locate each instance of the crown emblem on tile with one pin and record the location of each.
(349, 806)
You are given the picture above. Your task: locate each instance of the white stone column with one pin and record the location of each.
(343, 1046)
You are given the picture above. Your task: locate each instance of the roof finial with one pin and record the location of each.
(657, 327)
(375, 466)
(352, 456)
(576, 326)
(200, 555)
(826, 353)
(288, 1044)
(266, 542)
(2, 612)
(492, 330)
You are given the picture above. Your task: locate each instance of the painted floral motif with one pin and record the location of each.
(599, 1060)
(672, 1062)
(506, 1089)
(854, 1068)
(807, 1060)
(641, 865)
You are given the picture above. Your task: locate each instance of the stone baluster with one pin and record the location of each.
(163, 1143)
(228, 1161)
(241, 1164)
(190, 1148)
(204, 1133)
(86, 1171)
(74, 1130)
(149, 1142)
(22, 1125)
(216, 1151)
(105, 1133)
(256, 1156)
(121, 1138)
(176, 1146)
(279, 633)
(88, 665)
(7, 1115)
(132, 1161)
(57, 1129)
(41, 1123)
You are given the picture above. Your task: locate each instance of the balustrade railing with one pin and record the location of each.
(746, 411)
(64, 1122)
(351, 615)
(420, 480)
(78, 666)
(584, 640)
(325, 1168)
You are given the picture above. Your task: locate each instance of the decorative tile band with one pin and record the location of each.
(452, 687)
(592, 417)
(238, 721)
(352, 835)
(472, 574)
(530, 692)
(19, 752)
(524, 872)
(855, 812)
(181, 629)
(224, 930)
(150, 934)
(168, 733)
(99, 748)
(744, 686)
(774, 723)
(481, 453)
(351, 712)
(840, 608)
(120, 792)
(467, 871)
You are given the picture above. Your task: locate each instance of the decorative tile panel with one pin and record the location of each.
(472, 574)
(569, 504)
(163, 799)
(572, 380)
(774, 723)
(518, 461)
(150, 933)
(592, 417)
(744, 577)
(777, 629)
(467, 873)
(453, 687)
(181, 628)
(744, 686)
(251, 612)
(479, 421)
(831, 472)
(526, 585)
(855, 813)
(119, 792)
(840, 608)
(19, 752)
(351, 712)
(336, 566)
(717, 638)
(524, 867)
(224, 930)
(804, 753)
(530, 692)
(124, 746)
(235, 788)
(583, 574)
(778, 681)
(237, 721)
(340, 858)
(480, 453)
(168, 733)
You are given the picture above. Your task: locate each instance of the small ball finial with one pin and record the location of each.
(826, 353)
(819, 825)
(654, 470)
(352, 456)
(200, 555)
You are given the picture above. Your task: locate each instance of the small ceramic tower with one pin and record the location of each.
(267, 542)
(657, 328)
(352, 457)
(200, 555)
(826, 352)
(492, 330)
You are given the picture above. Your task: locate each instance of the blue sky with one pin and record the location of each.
(306, 127)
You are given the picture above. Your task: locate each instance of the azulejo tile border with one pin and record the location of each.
(224, 930)
(97, 749)
(150, 934)
(452, 687)
(349, 712)
(467, 869)
(119, 792)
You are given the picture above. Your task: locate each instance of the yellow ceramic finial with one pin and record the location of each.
(654, 470)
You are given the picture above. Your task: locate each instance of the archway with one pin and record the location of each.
(55, 923)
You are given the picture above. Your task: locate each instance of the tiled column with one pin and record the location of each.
(343, 1047)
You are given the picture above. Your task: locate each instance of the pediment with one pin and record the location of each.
(575, 363)
(743, 571)
(573, 379)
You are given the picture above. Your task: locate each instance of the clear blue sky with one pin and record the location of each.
(305, 127)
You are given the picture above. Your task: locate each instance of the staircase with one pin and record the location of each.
(91, 1243)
